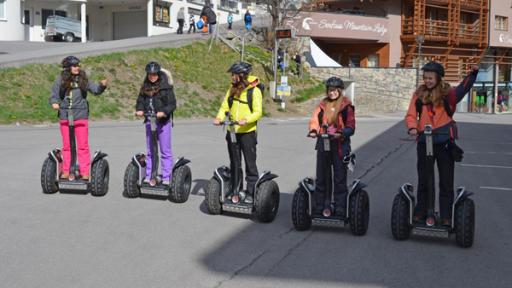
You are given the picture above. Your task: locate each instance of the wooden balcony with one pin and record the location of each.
(472, 5)
(438, 30)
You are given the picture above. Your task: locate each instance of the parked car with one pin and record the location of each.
(63, 28)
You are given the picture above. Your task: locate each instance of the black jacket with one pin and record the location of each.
(210, 14)
(163, 101)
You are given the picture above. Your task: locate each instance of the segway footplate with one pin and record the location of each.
(328, 222)
(159, 190)
(237, 208)
(435, 232)
(73, 186)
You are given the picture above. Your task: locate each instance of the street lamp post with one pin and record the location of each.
(419, 40)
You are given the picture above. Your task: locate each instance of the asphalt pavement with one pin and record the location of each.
(75, 240)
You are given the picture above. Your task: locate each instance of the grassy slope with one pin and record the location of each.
(200, 82)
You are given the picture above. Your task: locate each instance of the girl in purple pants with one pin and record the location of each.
(156, 96)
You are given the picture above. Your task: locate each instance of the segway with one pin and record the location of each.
(356, 212)
(463, 208)
(224, 193)
(97, 184)
(178, 189)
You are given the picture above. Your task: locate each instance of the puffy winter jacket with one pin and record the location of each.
(163, 101)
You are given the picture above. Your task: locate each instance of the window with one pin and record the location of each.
(26, 17)
(354, 60)
(373, 60)
(161, 17)
(2, 10)
(49, 12)
(501, 23)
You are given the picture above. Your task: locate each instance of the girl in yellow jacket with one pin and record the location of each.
(243, 101)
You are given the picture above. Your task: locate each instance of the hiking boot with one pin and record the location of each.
(64, 175)
(85, 177)
(166, 182)
(446, 222)
(418, 217)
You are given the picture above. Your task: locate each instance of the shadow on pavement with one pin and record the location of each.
(276, 250)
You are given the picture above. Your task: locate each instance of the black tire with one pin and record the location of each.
(465, 223)
(212, 197)
(100, 177)
(69, 37)
(181, 183)
(359, 212)
(300, 210)
(400, 218)
(48, 176)
(266, 202)
(131, 179)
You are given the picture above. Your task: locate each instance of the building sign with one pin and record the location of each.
(161, 15)
(283, 33)
(342, 26)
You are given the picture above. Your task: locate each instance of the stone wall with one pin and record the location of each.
(376, 89)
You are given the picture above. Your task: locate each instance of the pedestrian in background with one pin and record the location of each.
(192, 24)
(230, 20)
(181, 20)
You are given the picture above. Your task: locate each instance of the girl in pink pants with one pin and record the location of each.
(70, 91)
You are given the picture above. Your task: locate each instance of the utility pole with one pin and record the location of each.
(419, 40)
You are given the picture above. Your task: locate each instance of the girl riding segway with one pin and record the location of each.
(333, 116)
(156, 99)
(156, 103)
(434, 104)
(69, 95)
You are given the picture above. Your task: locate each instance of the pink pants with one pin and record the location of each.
(82, 145)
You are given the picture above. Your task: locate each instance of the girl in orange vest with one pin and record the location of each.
(334, 115)
(434, 103)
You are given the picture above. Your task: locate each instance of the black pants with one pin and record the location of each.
(230, 25)
(445, 167)
(181, 22)
(192, 26)
(246, 144)
(324, 176)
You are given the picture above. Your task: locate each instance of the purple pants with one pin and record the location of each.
(163, 131)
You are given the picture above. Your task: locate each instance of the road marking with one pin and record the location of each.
(496, 188)
(486, 166)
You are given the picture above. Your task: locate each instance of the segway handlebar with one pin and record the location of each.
(229, 123)
(325, 135)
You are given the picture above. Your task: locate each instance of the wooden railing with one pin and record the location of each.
(471, 2)
(440, 28)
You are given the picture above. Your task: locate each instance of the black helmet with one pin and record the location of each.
(70, 61)
(334, 82)
(240, 68)
(153, 67)
(433, 66)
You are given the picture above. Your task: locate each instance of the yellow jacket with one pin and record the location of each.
(240, 110)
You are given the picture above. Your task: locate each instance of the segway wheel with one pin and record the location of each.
(400, 218)
(48, 176)
(359, 213)
(465, 223)
(267, 201)
(100, 175)
(131, 178)
(181, 183)
(212, 197)
(300, 210)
